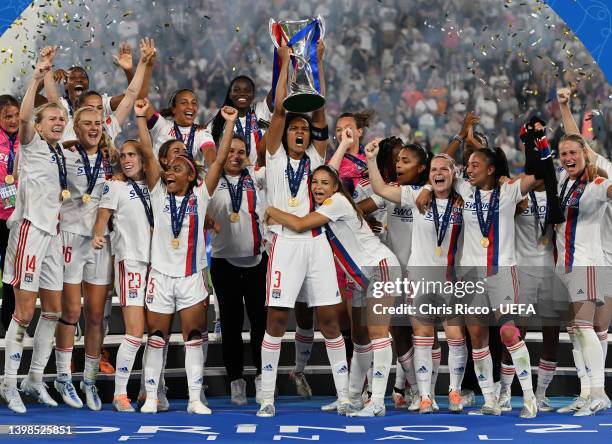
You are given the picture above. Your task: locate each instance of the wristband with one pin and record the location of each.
(320, 133)
(141, 117)
(458, 138)
(428, 187)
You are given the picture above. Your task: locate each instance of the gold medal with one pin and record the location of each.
(327, 201)
(293, 201)
(438, 251)
(9, 179)
(65, 194)
(484, 242)
(175, 243)
(86, 198)
(544, 240)
(234, 217)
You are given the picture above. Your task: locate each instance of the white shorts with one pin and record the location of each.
(33, 259)
(583, 283)
(607, 275)
(301, 267)
(169, 294)
(539, 291)
(387, 270)
(131, 282)
(501, 288)
(83, 263)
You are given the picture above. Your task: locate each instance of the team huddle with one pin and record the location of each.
(290, 229)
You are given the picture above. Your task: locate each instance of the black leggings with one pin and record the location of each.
(235, 288)
(8, 296)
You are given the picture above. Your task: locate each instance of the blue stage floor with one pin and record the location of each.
(298, 421)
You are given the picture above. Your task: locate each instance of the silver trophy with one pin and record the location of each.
(302, 95)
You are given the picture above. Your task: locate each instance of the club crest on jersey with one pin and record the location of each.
(276, 293)
(28, 277)
(133, 294)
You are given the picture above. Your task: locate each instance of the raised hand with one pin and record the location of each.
(147, 51)
(60, 76)
(371, 149)
(141, 106)
(563, 95)
(48, 53)
(124, 58)
(347, 137)
(42, 67)
(229, 114)
(284, 52)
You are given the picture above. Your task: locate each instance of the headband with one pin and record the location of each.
(189, 162)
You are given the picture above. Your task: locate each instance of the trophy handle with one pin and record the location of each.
(321, 26)
(270, 27)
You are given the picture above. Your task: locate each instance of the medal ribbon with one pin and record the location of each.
(92, 177)
(178, 217)
(145, 202)
(536, 212)
(295, 177)
(577, 188)
(250, 124)
(60, 160)
(235, 192)
(441, 228)
(11, 159)
(493, 204)
(189, 144)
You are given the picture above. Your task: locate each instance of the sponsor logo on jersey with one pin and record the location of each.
(404, 213)
(106, 189)
(29, 277)
(276, 293)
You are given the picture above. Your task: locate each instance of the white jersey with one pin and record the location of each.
(38, 195)
(110, 123)
(190, 256)
(424, 235)
(363, 190)
(278, 192)
(606, 232)
(240, 239)
(578, 239)
(398, 227)
(501, 248)
(131, 239)
(260, 112)
(534, 252)
(162, 129)
(354, 245)
(77, 216)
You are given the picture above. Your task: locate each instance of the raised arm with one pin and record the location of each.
(318, 117)
(125, 62)
(146, 84)
(277, 122)
(214, 171)
(295, 223)
(152, 168)
(569, 124)
(50, 85)
(468, 122)
(347, 140)
(26, 111)
(147, 50)
(393, 194)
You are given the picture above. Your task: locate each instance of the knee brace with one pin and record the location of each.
(512, 331)
(194, 334)
(65, 322)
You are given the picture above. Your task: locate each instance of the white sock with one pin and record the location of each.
(585, 382)
(506, 377)
(125, 361)
(336, 353)
(522, 364)
(153, 365)
(400, 376)
(90, 371)
(14, 350)
(592, 355)
(423, 363)
(194, 367)
(204, 346)
(360, 364)
(303, 347)
(43, 344)
(63, 360)
(483, 367)
(108, 307)
(457, 359)
(407, 363)
(603, 341)
(436, 357)
(382, 357)
(162, 379)
(546, 372)
(270, 352)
